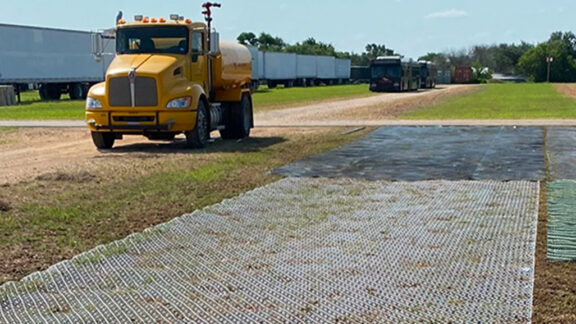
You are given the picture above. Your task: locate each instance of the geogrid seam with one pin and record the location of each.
(561, 239)
(308, 250)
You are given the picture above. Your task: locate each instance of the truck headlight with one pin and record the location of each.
(92, 103)
(183, 102)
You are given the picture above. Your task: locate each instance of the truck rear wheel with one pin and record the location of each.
(240, 119)
(103, 140)
(198, 138)
(50, 91)
(76, 91)
(43, 91)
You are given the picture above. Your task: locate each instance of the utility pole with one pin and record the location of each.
(549, 60)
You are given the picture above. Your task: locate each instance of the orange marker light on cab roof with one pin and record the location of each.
(145, 20)
(188, 21)
(162, 20)
(153, 20)
(121, 22)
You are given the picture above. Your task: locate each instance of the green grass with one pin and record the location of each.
(33, 108)
(504, 101)
(264, 99)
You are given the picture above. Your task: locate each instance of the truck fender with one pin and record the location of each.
(197, 93)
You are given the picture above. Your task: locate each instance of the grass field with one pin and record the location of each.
(504, 101)
(267, 99)
(264, 99)
(33, 108)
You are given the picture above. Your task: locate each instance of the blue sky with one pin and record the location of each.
(411, 27)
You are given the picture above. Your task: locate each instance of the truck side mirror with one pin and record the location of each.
(214, 43)
(96, 41)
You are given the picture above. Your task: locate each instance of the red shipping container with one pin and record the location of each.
(462, 74)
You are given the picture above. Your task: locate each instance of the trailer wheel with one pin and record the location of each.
(54, 91)
(271, 84)
(198, 138)
(76, 91)
(43, 91)
(240, 120)
(103, 140)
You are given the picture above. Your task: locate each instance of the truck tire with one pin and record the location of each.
(43, 91)
(76, 91)
(54, 91)
(198, 138)
(240, 119)
(103, 140)
(271, 84)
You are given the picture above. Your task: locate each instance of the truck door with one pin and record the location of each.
(199, 66)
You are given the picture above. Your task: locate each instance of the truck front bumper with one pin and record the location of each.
(141, 122)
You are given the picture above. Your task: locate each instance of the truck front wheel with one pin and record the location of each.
(103, 140)
(240, 119)
(198, 138)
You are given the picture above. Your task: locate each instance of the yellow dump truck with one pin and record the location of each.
(171, 76)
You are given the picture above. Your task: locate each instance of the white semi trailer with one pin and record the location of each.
(292, 69)
(56, 60)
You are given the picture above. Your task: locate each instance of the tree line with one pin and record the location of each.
(523, 58)
(310, 46)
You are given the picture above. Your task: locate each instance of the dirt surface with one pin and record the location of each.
(568, 89)
(554, 282)
(381, 107)
(27, 153)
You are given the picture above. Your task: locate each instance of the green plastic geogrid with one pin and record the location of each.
(562, 220)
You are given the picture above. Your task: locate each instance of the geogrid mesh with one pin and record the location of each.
(308, 250)
(561, 245)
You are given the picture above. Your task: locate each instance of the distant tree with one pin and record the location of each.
(267, 42)
(311, 47)
(439, 59)
(562, 48)
(482, 73)
(247, 38)
(375, 50)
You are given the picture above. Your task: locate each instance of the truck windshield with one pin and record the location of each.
(157, 39)
(389, 71)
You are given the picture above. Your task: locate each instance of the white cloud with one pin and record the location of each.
(452, 13)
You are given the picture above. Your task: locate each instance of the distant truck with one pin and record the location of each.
(428, 75)
(391, 73)
(172, 76)
(360, 74)
(57, 61)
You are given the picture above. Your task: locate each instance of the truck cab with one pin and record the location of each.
(171, 77)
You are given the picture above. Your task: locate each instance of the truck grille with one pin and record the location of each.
(146, 94)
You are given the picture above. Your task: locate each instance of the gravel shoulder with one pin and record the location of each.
(371, 109)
